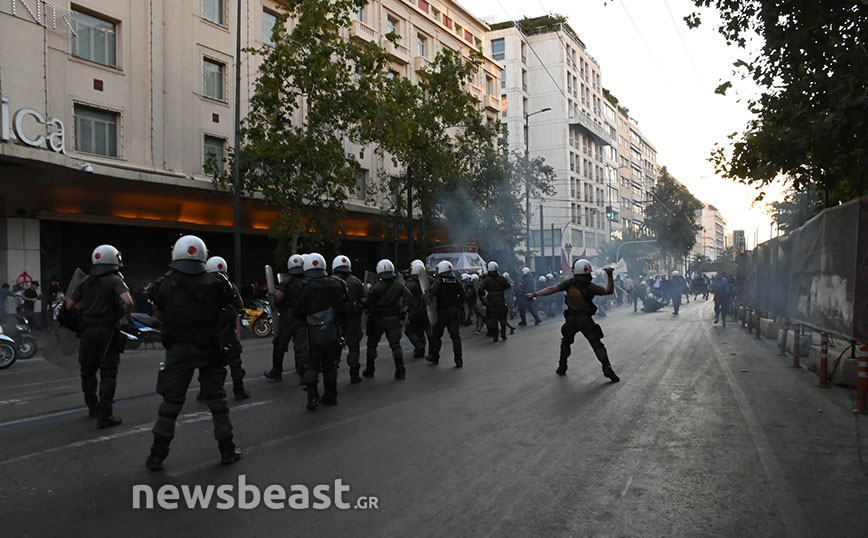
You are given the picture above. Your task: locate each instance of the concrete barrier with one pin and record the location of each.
(770, 328)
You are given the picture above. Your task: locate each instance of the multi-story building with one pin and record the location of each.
(711, 240)
(109, 110)
(637, 175)
(553, 107)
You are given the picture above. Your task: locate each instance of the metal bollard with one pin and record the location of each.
(862, 383)
(782, 345)
(758, 326)
(824, 360)
(797, 337)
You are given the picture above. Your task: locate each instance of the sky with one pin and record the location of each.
(665, 74)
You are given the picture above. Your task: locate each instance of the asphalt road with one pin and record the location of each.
(708, 434)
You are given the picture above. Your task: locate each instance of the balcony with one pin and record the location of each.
(491, 102)
(421, 63)
(362, 31)
(583, 120)
(399, 52)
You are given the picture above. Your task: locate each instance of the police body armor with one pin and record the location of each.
(193, 311)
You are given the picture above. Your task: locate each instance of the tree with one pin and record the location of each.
(797, 208)
(672, 217)
(809, 122)
(311, 97)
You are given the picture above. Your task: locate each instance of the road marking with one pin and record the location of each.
(787, 504)
(188, 418)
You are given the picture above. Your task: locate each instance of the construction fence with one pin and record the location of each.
(817, 275)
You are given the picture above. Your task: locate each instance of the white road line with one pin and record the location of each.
(142, 428)
(786, 502)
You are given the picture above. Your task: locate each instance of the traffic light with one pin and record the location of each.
(610, 214)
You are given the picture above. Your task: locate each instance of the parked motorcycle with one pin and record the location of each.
(8, 355)
(17, 327)
(146, 329)
(256, 317)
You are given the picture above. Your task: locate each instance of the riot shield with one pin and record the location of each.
(61, 346)
(425, 284)
(270, 284)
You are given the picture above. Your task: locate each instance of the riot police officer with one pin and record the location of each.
(450, 296)
(387, 303)
(289, 326)
(320, 306)
(352, 324)
(417, 328)
(217, 264)
(96, 302)
(580, 307)
(195, 306)
(492, 291)
(528, 285)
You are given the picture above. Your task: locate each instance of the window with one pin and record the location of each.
(96, 131)
(421, 43)
(212, 74)
(392, 26)
(503, 78)
(213, 10)
(94, 39)
(498, 49)
(213, 148)
(489, 86)
(447, 22)
(361, 188)
(524, 80)
(359, 14)
(424, 6)
(435, 13)
(468, 36)
(269, 20)
(523, 53)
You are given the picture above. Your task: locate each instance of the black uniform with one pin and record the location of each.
(289, 328)
(352, 324)
(528, 285)
(321, 306)
(417, 328)
(677, 288)
(194, 309)
(449, 294)
(492, 291)
(580, 308)
(99, 306)
(387, 303)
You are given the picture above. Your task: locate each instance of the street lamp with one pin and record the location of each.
(527, 183)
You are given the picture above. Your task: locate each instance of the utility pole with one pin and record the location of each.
(527, 184)
(409, 216)
(542, 235)
(236, 214)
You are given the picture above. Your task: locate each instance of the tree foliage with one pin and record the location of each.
(311, 97)
(810, 121)
(671, 216)
(797, 208)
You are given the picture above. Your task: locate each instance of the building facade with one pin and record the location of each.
(637, 175)
(110, 109)
(711, 240)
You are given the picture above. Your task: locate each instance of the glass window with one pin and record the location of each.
(498, 49)
(268, 22)
(359, 15)
(94, 39)
(213, 148)
(213, 79)
(503, 78)
(213, 10)
(391, 25)
(361, 187)
(96, 131)
(420, 45)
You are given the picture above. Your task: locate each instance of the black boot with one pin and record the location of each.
(400, 370)
(105, 419)
(240, 392)
(562, 368)
(229, 453)
(312, 397)
(273, 375)
(159, 451)
(369, 369)
(603, 357)
(354, 376)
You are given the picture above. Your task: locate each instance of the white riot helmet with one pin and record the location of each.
(314, 265)
(444, 267)
(492, 266)
(189, 255)
(550, 276)
(505, 275)
(542, 279)
(385, 270)
(295, 264)
(525, 270)
(341, 264)
(465, 277)
(216, 264)
(675, 274)
(417, 267)
(582, 267)
(105, 259)
(414, 262)
(474, 277)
